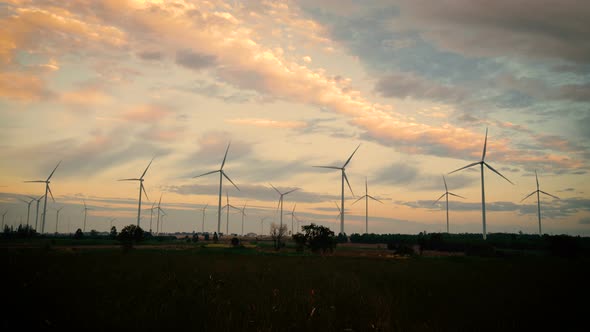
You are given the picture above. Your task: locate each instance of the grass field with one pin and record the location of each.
(222, 289)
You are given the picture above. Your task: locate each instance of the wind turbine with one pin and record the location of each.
(366, 197)
(47, 189)
(228, 206)
(111, 221)
(281, 201)
(261, 225)
(481, 163)
(28, 206)
(3, 215)
(85, 209)
(243, 212)
(447, 193)
(293, 216)
(221, 175)
(344, 177)
(57, 218)
(140, 179)
(538, 192)
(159, 210)
(203, 223)
(163, 215)
(37, 213)
(339, 210)
(152, 214)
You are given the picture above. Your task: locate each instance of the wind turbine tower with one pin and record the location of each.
(366, 197)
(447, 193)
(538, 192)
(47, 189)
(28, 206)
(221, 175)
(344, 177)
(57, 218)
(481, 163)
(203, 222)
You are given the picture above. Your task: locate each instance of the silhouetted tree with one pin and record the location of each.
(215, 237)
(235, 242)
(113, 232)
(277, 233)
(129, 235)
(300, 241)
(206, 236)
(195, 237)
(319, 238)
(79, 234)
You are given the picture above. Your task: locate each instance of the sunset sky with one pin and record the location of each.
(107, 85)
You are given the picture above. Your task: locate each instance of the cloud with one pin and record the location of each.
(193, 60)
(146, 113)
(584, 221)
(150, 55)
(86, 95)
(269, 123)
(408, 175)
(22, 87)
(408, 85)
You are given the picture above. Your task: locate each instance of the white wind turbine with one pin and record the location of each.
(28, 206)
(538, 192)
(203, 222)
(293, 216)
(243, 212)
(37, 213)
(366, 197)
(344, 177)
(152, 215)
(228, 206)
(262, 219)
(483, 197)
(85, 209)
(159, 211)
(47, 189)
(140, 179)
(221, 175)
(57, 218)
(281, 202)
(447, 193)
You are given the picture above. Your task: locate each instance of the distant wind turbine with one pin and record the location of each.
(339, 210)
(228, 206)
(203, 222)
(483, 197)
(47, 189)
(243, 212)
(262, 224)
(152, 215)
(57, 218)
(447, 193)
(85, 209)
(111, 221)
(163, 215)
(28, 206)
(37, 213)
(140, 179)
(281, 201)
(159, 211)
(538, 192)
(344, 177)
(293, 217)
(221, 175)
(366, 197)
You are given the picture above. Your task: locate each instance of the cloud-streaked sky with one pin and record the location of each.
(107, 85)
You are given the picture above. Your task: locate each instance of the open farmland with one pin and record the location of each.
(222, 289)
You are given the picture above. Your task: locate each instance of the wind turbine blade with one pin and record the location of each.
(337, 206)
(146, 169)
(129, 180)
(290, 191)
(84, 203)
(31, 197)
(537, 178)
(227, 177)
(50, 175)
(464, 167)
(331, 167)
(293, 211)
(441, 196)
(548, 194)
(205, 174)
(483, 156)
(143, 188)
(225, 156)
(357, 200)
(375, 199)
(445, 181)
(49, 189)
(349, 158)
(36, 181)
(529, 195)
(154, 204)
(273, 187)
(490, 167)
(456, 195)
(349, 187)
(160, 201)
(22, 200)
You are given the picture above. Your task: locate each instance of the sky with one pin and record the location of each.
(105, 86)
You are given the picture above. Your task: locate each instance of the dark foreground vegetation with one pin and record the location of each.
(240, 289)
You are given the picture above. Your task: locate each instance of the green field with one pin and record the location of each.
(223, 289)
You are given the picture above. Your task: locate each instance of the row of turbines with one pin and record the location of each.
(222, 174)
